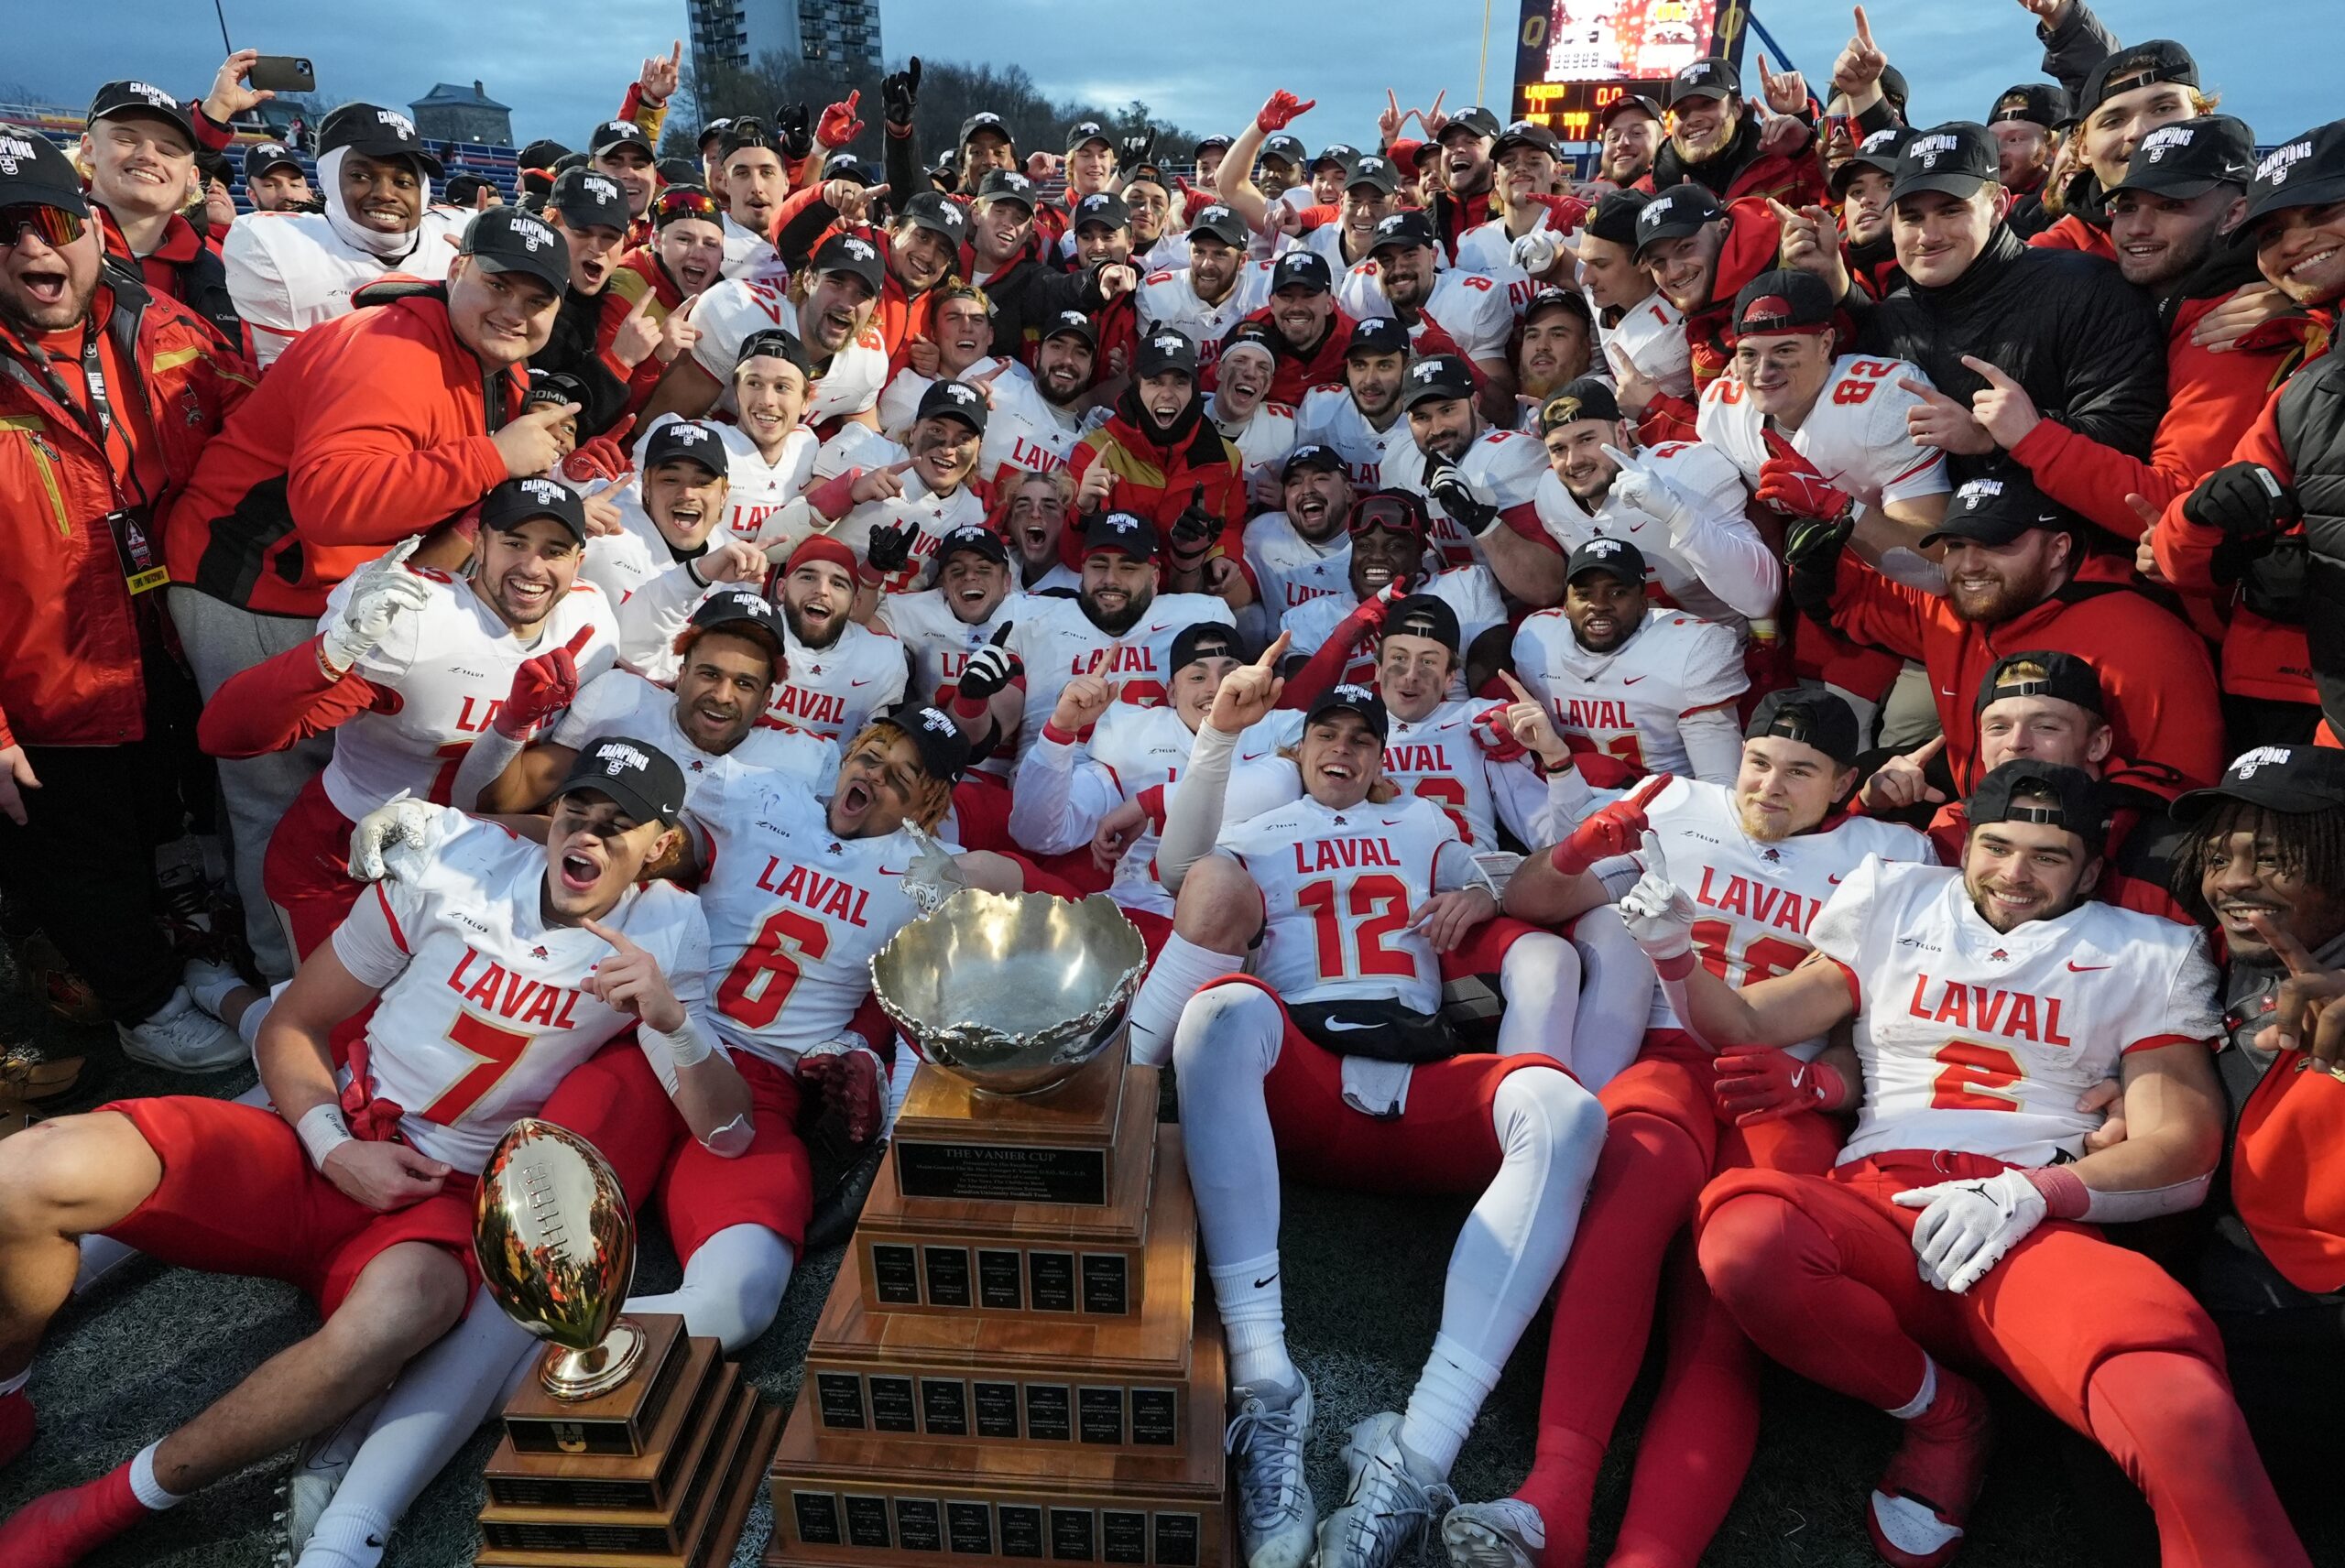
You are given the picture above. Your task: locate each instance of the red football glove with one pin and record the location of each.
(598, 457)
(1281, 111)
(845, 1076)
(838, 124)
(1763, 1083)
(1491, 733)
(1609, 831)
(1791, 485)
(542, 687)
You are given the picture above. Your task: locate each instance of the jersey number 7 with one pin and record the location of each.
(761, 979)
(499, 1051)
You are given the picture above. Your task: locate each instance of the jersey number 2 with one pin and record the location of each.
(1379, 906)
(761, 979)
(1974, 1077)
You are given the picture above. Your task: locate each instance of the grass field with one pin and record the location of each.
(152, 1346)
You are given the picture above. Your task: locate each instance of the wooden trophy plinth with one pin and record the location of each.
(1016, 1369)
(657, 1474)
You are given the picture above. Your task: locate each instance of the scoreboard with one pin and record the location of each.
(1575, 57)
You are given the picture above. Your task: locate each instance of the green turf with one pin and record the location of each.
(152, 1346)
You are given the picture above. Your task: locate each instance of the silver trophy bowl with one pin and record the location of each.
(1011, 993)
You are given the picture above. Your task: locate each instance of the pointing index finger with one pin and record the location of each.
(1864, 29)
(618, 939)
(1270, 660)
(1923, 753)
(1627, 462)
(1516, 686)
(1642, 796)
(1994, 374)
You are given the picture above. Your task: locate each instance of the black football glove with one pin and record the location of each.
(2246, 500)
(1133, 151)
(899, 93)
(1812, 544)
(990, 668)
(1193, 532)
(1456, 494)
(890, 549)
(795, 122)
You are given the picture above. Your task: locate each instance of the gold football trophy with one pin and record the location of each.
(1012, 1365)
(636, 1445)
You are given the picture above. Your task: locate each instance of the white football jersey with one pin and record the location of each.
(1289, 569)
(1439, 758)
(623, 703)
(794, 915)
(446, 670)
(481, 1014)
(1489, 249)
(1473, 309)
(1327, 417)
(732, 309)
(1025, 431)
(1979, 1041)
(288, 272)
(1471, 591)
(1653, 331)
(1627, 704)
(899, 405)
(1337, 891)
(1720, 571)
(757, 493)
(1757, 898)
(749, 255)
(933, 514)
(1057, 642)
(834, 691)
(938, 641)
(1168, 299)
(1263, 440)
(1504, 466)
(1855, 435)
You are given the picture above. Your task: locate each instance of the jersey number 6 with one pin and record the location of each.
(761, 979)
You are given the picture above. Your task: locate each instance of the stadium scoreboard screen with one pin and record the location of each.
(1573, 58)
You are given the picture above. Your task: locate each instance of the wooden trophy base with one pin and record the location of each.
(1028, 1257)
(677, 1500)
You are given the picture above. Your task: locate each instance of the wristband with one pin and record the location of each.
(1055, 736)
(1833, 1088)
(1676, 967)
(321, 1130)
(688, 1046)
(2065, 1197)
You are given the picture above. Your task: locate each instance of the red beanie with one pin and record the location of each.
(820, 547)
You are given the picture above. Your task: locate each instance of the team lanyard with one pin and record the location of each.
(140, 568)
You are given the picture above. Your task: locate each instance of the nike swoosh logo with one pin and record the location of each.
(1260, 1284)
(862, 682)
(885, 871)
(1834, 880)
(1631, 679)
(1338, 1026)
(2076, 968)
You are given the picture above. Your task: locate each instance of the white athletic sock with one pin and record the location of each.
(248, 1024)
(900, 1082)
(1921, 1402)
(143, 1484)
(1447, 1398)
(732, 1287)
(1615, 997)
(353, 1537)
(1253, 1315)
(14, 1385)
(1179, 972)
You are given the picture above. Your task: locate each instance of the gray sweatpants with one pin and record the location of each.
(220, 640)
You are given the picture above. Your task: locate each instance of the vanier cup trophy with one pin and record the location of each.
(1010, 1366)
(635, 1443)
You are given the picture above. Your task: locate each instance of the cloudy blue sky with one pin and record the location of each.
(562, 63)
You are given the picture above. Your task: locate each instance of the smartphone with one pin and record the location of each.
(282, 74)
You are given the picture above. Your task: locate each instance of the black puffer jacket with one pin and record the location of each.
(2083, 342)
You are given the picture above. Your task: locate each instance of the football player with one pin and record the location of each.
(833, 321)
(1239, 406)
(840, 672)
(1640, 332)
(961, 328)
(1036, 419)
(1338, 634)
(671, 546)
(1465, 313)
(891, 504)
(1360, 415)
(1483, 480)
(1303, 551)
(940, 627)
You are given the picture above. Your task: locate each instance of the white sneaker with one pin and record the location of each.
(181, 1038)
(1268, 1424)
(1393, 1497)
(315, 1474)
(210, 982)
(1506, 1533)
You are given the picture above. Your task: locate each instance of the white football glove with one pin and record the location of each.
(1536, 251)
(1659, 915)
(1967, 1226)
(381, 590)
(394, 839)
(935, 876)
(1641, 489)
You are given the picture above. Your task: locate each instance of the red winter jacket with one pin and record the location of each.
(2072, 232)
(1298, 373)
(1156, 479)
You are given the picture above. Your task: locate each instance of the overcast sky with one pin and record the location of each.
(562, 64)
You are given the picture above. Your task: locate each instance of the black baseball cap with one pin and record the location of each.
(1674, 214)
(1998, 510)
(589, 197)
(2190, 157)
(712, 131)
(1615, 218)
(1587, 398)
(373, 131)
(627, 133)
(852, 254)
(2144, 64)
(1525, 133)
(1101, 207)
(676, 170)
(1165, 349)
(1347, 697)
(1410, 227)
(1879, 151)
(506, 239)
(2297, 780)
(1894, 88)
(1708, 78)
(1374, 170)
(1084, 132)
(2042, 672)
(778, 342)
(2306, 171)
(1571, 302)
(1007, 185)
(1070, 323)
(847, 166)
(1641, 101)
(939, 214)
(749, 131)
(943, 749)
(141, 101)
(516, 501)
(1120, 531)
(984, 119)
(1301, 270)
(954, 400)
(1477, 120)
(1343, 155)
(545, 152)
(1222, 224)
(35, 169)
(1436, 377)
(1956, 157)
(1820, 719)
(974, 537)
(2076, 799)
(262, 156)
(2044, 103)
(555, 387)
(1378, 335)
(643, 780)
(1204, 639)
(1784, 300)
(741, 610)
(1287, 149)
(686, 440)
(1312, 454)
(1423, 615)
(1393, 509)
(1207, 144)
(1604, 553)
(459, 191)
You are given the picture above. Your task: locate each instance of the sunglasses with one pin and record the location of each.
(685, 205)
(55, 225)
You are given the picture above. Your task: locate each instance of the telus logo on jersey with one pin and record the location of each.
(2014, 1015)
(812, 890)
(508, 996)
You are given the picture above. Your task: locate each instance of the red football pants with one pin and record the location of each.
(306, 871)
(1661, 1145)
(1819, 1271)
